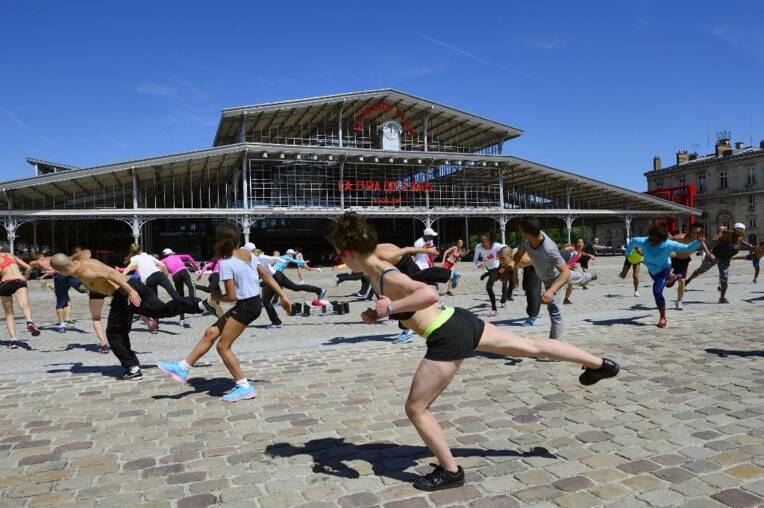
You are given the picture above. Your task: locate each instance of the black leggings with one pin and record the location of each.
(506, 290)
(121, 317)
(493, 276)
(157, 279)
(342, 277)
(269, 296)
(182, 280)
(532, 288)
(433, 275)
(213, 284)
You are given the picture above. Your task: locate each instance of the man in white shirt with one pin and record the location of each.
(423, 260)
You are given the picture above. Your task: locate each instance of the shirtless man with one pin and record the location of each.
(680, 261)
(128, 298)
(12, 282)
(754, 257)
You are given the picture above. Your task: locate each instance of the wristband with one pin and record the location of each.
(390, 308)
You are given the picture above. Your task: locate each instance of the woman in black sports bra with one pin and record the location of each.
(452, 334)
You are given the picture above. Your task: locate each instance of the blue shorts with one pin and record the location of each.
(754, 260)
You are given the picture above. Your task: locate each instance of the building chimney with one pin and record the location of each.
(739, 145)
(682, 157)
(693, 156)
(657, 161)
(722, 146)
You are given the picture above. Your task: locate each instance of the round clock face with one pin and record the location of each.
(391, 130)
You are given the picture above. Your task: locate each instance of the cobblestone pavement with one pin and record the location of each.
(683, 423)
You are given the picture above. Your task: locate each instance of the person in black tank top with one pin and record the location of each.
(452, 335)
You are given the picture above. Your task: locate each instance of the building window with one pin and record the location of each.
(724, 219)
(701, 184)
(752, 222)
(751, 202)
(682, 181)
(723, 180)
(750, 177)
(659, 184)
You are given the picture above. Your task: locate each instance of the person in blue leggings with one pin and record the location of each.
(657, 249)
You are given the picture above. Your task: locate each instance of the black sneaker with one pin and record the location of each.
(590, 376)
(209, 308)
(128, 375)
(440, 479)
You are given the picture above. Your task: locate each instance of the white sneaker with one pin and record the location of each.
(679, 305)
(636, 293)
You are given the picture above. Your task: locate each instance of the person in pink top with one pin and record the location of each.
(176, 265)
(213, 269)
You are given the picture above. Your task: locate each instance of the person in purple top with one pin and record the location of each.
(176, 265)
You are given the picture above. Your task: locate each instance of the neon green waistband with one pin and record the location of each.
(438, 322)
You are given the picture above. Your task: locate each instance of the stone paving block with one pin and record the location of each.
(411, 502)
(197, 501)
(737, 498)
(577, 500)
(538, 493)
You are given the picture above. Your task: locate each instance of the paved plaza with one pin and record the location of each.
(682, 425)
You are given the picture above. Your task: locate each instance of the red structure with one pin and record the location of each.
(682, 195)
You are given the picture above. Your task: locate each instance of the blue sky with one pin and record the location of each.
(598, 87)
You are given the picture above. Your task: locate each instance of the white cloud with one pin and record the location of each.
(152, 88)
(546, 45)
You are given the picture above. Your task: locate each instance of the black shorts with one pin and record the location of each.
(455, 339)
(584, 262)
(96, 296)
(8, 287)
(246, 311)
(679, 266)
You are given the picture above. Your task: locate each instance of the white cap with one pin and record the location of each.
(289, 252)
(739, 225)
(249, 247)
(429, 232)
(167, 252)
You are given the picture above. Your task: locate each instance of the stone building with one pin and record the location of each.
(728, 185)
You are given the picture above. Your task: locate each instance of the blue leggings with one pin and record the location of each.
(659, 283)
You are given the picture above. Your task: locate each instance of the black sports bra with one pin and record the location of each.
(400, 316)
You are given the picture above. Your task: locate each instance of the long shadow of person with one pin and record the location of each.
(730, 352)
(383, 337)
(215, 387)
(80, 368)
(618, 321)
(18, 343)
(386, 459)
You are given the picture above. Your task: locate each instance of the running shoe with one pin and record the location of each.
(440, 479)
(12, 344)
(336, 279)
(531, 321)
(672, 280)
(455, 278)
(492, 313)
(723, 300)
(32, 328)
(240, 393)
(679, 305)
(662, 323)
(503, 304)
(61, 328)
(273, 326)
(755, 281)
(322, 294)
(130, 375)
(590, 376)
(636, 294)
(186, 324)
(449, 293)
(104, 350)
(566, 301)
(175, 370)
(404, 337)
(151, 323)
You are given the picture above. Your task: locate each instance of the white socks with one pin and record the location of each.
(184, 364)
(135, 369)
(242, 383)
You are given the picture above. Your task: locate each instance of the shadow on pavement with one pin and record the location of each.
(509, 322)
(387, 459)
(383, 337)
(618, 321)
(215, 387)
(493, 356)
(115, 371)
(21, 344)
(730, 352)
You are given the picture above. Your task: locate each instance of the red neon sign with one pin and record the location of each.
(382, 106)
(384, 186)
